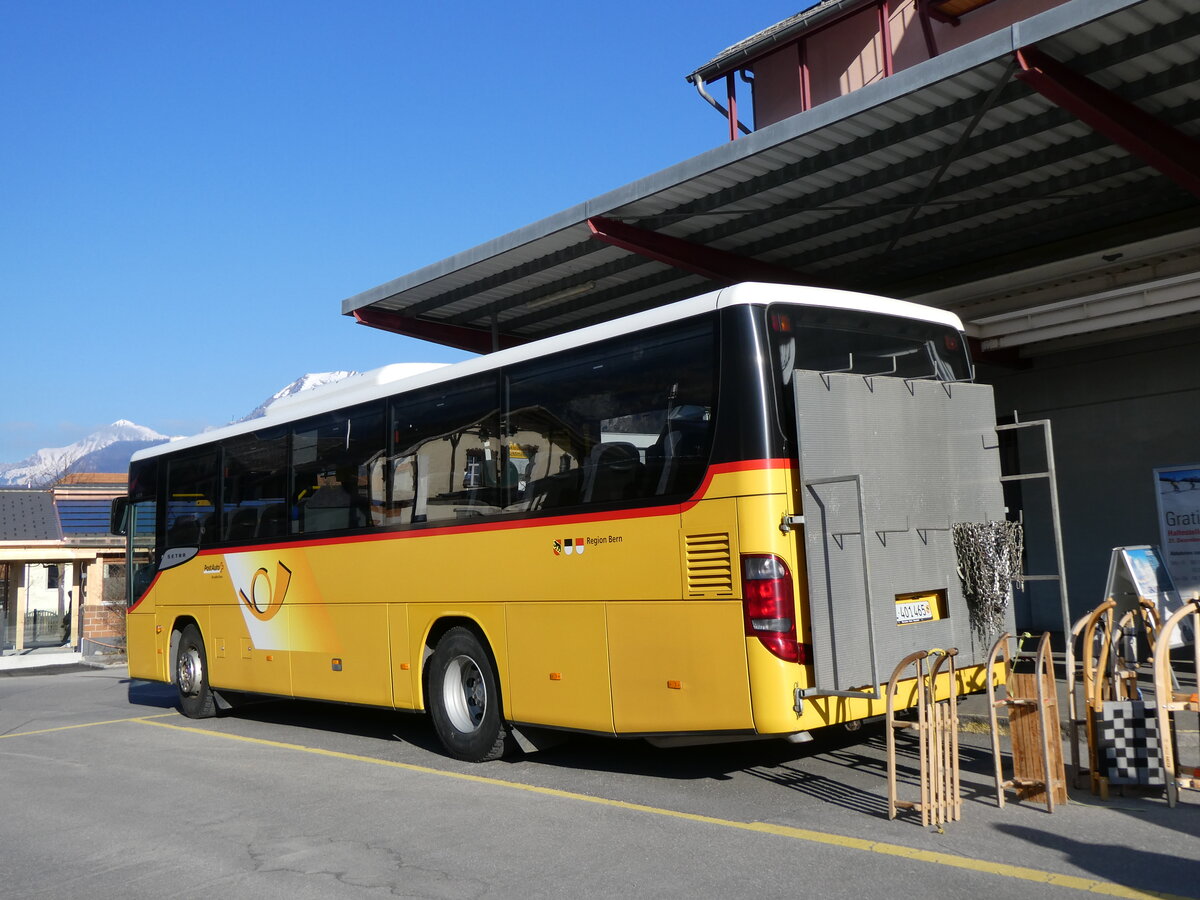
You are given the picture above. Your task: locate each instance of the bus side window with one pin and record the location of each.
(332, 460)
(254, 489)
(622, 420)
(191, 501)
(446, 454)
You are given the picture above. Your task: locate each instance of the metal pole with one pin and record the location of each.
(1057, 522)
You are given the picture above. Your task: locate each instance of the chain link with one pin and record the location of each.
(989, 561)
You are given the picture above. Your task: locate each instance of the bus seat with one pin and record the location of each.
(553, 491)
(324, 518)
(184, 532)
(243, 525)
(612, 472)
(656, 461)
(679, 448)
(209, 526)
(273, 521)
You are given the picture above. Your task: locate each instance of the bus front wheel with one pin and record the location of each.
(463, 699)
(196, 700)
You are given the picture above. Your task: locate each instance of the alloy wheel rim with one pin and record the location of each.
(190, 671)
(465, 694)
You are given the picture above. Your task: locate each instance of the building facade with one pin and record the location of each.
(62, 575)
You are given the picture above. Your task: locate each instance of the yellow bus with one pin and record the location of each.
(725, 518)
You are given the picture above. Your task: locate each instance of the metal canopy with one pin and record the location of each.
(1063, 142)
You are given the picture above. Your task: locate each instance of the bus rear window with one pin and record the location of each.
(864, 343)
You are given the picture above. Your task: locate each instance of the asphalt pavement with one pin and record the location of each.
(109, 792)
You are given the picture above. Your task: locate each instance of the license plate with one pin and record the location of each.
(910, 611)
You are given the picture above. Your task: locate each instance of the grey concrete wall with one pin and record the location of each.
(1118, 411)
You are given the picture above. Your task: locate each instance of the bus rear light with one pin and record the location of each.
(770, 607)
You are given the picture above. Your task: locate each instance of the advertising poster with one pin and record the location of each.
(1178, 493)
(1139, 572)
(1150, 579)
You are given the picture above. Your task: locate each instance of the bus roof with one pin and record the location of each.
(401, 377)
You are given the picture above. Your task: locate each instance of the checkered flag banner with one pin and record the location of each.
(1130, 750)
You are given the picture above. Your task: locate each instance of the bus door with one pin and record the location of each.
(887, 466)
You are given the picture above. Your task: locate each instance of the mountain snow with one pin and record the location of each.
(303, 383)
(109, 448)
(49, 464)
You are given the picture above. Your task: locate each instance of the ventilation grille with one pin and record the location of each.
(709, 565)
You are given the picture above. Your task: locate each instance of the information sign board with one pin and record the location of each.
(1139, 573)
(1177, 491)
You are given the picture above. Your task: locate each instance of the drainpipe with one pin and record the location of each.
(713, 102)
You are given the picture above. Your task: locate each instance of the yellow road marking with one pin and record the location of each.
(1089, 885)
(87, 725)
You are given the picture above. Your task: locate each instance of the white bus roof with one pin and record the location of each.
(401, 377)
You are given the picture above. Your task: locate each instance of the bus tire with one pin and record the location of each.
(196, 699)
(464, 701)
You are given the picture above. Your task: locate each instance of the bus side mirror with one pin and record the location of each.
(118, 517)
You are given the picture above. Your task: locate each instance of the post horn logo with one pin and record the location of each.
(266, 598)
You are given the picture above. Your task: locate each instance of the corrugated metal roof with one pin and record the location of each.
(916, 186)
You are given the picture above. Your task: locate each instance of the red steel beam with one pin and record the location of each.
(805, 76)
(885, 34)
(923, 14)
(473, 339)
(1167, 149)
(731, 102)
(719, 265)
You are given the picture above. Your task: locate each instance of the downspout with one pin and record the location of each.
(713, 102)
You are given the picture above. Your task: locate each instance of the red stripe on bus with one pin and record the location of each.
(745, 465)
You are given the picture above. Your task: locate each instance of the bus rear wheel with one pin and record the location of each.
(464, 701)
(196, 700)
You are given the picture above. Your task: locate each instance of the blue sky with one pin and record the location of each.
(189, 190)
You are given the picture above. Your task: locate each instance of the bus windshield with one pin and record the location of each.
(820, 339)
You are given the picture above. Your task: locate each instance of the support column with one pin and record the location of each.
(77, 605)
(6, 602)
(22, 571)
(98, 624)
(68, 598)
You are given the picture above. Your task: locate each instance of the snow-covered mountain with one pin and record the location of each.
(109, 449)
(303, 383)
(105, 450)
